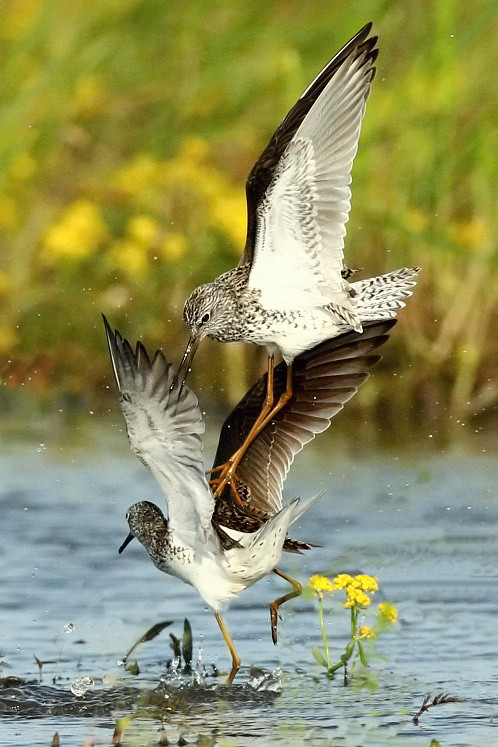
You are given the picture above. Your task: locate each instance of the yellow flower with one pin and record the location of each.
(128, 257)
(89, 95)
(23, 167)
(137, 175)
(143, 229)
(471, 233)
(388, 612)
(342, 580)
(356, 588)
(366, 632)
(366, 583)
(416, 220)
(8, 338)
(4, 283)
(356, 597)
(79, 233)
(194, 148)
(9, 212)
(175, 246)
(229, 212)
(319, 584)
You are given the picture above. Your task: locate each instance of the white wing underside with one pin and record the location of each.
(165, 434)
(301, 220)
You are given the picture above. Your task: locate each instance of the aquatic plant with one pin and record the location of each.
(439, 699)
(359, 591)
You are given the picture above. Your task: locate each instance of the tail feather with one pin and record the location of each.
(264, 547)
(380, 297)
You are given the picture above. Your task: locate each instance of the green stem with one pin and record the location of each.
(363, 658)
(324, 634)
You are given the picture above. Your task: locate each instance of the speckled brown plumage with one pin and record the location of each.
(323, 380)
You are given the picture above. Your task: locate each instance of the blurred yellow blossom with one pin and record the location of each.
(319, 584)
(388, 612)
(471, 233)
(137, 175)
(229, 212)
(89, 95)
(366, 632)
(194, 148)
(175, 246)
(416, 220)
(9, 212)
(4, 283)
(16, 17)
(77, 234)
(23, 167)
(8, 338)
(143, 229)
(128, 257)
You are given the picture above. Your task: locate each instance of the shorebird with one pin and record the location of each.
(218, 547)
(290, 290)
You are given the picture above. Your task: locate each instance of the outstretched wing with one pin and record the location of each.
(164, 426)
(298, 192)
(323, 380)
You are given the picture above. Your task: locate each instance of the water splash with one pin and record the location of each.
(268, 682)
(81, 684)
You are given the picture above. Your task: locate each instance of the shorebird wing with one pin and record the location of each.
(164, 425)
(298, 192)
(323, 380)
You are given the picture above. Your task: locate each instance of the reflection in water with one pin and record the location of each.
(427, 530)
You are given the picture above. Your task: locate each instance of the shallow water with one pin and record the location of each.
(426, 527)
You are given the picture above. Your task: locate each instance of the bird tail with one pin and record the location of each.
(380, 297)
(264, 547)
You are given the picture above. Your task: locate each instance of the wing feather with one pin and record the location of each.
(298, 193)
(164, 426)
(324, 379)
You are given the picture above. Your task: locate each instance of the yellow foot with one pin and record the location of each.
(226, 477)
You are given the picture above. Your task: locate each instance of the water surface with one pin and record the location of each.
(425, 525)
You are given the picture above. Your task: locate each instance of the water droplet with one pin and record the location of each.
(81, 685)
(41, 447)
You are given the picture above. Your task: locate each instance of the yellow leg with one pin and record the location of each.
(274, 611)
(227, 471)
(228, 641)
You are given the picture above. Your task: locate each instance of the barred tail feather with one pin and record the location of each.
(380, 297)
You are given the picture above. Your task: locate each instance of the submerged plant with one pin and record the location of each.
(359, 591)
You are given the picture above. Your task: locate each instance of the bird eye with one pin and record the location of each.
(205, 318)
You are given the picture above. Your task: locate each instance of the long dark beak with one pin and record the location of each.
(126, 542)
(186, 362)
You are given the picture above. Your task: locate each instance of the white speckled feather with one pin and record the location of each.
(301, 220)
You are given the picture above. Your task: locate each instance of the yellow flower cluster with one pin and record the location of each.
(357, 588)
(366, 632)
(189, 177)
(78, 233)
(319, 584)
(388, 612)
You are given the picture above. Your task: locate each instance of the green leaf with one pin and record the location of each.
(319, 656)
(175, 645)
(149, 635)
(187, 643)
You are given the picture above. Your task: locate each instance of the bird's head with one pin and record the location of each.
(146, 522)
(208, 310)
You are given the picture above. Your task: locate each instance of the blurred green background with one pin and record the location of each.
(127, 130)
